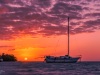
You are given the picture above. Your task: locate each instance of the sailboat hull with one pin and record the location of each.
(62, 60)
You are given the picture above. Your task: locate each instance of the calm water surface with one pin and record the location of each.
(41, 68)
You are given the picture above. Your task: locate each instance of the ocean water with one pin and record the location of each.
(42, 68)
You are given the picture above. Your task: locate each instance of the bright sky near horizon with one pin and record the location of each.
(31, 29)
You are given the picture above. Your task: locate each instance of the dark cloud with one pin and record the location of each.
(47, 17)
(53, 30)
(4, 46)
(84, 3)
(94, 15)
(12, 49)
(75, 23)
(92, 23)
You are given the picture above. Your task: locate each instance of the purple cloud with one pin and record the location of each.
(47, 17)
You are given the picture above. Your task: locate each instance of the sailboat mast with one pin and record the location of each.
(68, 36)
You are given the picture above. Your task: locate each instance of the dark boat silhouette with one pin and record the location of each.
(63, 59)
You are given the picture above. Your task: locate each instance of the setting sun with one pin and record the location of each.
(25, 59)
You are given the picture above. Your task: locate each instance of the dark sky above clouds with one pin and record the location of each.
(48, 17)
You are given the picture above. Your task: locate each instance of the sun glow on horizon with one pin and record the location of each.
(25, 58)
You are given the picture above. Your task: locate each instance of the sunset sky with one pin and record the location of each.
(32, 29)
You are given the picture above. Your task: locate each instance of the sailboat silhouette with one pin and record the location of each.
(63, 59)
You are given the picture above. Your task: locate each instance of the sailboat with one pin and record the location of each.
(63, 59)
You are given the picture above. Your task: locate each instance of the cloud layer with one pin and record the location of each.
(47, 17)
